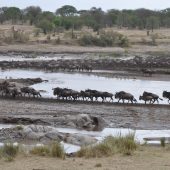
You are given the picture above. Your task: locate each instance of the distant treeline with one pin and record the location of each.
(69, 17)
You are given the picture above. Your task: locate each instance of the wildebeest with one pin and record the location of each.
(166, 95)
(146, 98)
(147, 72)
(154, 96)
(30, 91)
(85, 95)
(125, 96)
(65, 93)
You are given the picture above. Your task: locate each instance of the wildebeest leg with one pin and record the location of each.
(118, 100)
(102, 99)
(157, 101)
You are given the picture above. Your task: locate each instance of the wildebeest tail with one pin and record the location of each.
(160, 98)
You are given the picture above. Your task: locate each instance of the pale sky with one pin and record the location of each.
(52, 5)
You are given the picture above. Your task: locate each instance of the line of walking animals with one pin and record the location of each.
(8, 89)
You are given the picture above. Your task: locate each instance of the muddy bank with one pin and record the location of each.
(145, 65)
(22, 81)
(116, 115)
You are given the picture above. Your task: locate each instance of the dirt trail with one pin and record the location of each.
(117, 115)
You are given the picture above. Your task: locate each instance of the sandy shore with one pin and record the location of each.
(148, 158)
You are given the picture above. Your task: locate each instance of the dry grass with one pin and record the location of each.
(53, 150)
(9, 151)
(110, 146)
(61, 42)
(149, 158)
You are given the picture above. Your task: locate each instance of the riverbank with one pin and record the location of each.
(37, 48)
(150, 158)
(140, 116)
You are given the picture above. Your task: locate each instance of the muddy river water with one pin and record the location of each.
(78, 81)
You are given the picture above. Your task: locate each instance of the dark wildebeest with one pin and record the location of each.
(154, 96)
(107, 95)
(11, 92)
(166, 95)
(147, 72)
(146, 98)
(30, 91)
(125, 96)
(86, 95)
(96, 94)
(35, 93)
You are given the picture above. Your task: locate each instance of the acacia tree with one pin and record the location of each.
(32, 13)
(66, 10)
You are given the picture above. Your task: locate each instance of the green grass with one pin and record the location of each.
(110, 146)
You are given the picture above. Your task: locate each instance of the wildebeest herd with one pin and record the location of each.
(8, 89)
(91, 95)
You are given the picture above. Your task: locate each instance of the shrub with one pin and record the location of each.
(105, 39)
(153, 39)
(20, 36)
(111, 145)
(37, 32)
(9, 151)
(16, 36)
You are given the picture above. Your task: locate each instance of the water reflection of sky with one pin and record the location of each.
(35, 57)
(84, 81)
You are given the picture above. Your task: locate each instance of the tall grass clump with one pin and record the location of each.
(40, 151)
(57, 150)
(162, 140)
(9, 151)
(109, 146)
(53, 150)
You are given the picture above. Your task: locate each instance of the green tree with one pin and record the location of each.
(152, 23)
(66, 10)
(32, 13)
(13, 13)
(45, 25)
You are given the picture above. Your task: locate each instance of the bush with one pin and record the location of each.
(105, 39)
(111, 145)
(37, 32)
(9, 151)
(16, 36)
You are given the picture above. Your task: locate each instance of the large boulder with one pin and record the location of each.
(86, 122)
(45, 134)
